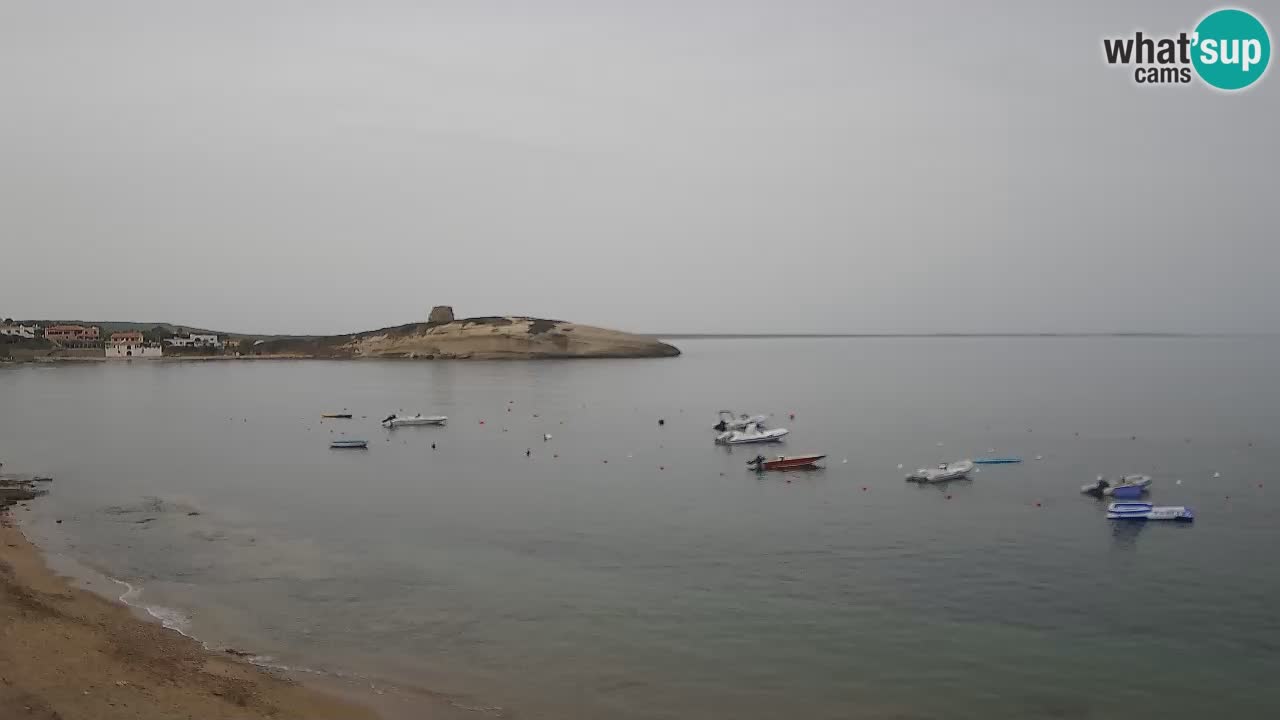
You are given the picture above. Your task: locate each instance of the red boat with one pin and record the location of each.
(785, 462)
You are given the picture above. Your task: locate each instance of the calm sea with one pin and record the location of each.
(625, 568)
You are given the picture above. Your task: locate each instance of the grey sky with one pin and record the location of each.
(654, 166)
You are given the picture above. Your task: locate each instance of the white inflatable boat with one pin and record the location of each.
(751, 434)
(729, 422)
(944, 472)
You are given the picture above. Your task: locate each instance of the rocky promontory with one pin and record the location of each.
(481, 338)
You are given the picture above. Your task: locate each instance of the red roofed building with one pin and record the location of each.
(71, 333)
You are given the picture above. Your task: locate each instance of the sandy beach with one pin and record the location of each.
(67, 653)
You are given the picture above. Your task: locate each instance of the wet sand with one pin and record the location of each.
(67, 653)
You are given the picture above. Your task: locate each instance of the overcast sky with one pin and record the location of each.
(314, 167)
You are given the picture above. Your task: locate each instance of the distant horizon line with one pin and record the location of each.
(1079, 334)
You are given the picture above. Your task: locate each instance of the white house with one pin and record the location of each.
(22, 331)
(131, 345)
(205, 340)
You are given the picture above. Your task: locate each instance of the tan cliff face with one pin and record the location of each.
(506, 337)
(502, 337)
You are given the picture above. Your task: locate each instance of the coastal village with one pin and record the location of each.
(31, 340)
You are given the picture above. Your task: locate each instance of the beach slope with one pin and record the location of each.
(66, 653)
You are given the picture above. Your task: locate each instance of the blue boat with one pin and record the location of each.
(998, 461)
(1128, 492)
(349, 444)
(1147, 511)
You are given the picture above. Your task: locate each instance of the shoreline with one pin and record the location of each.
(48, 360)
(67, 651)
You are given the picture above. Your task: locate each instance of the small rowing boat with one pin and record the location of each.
(997, 461)
(395, 421)
(336, 416)
(785, 462)
(349, 444)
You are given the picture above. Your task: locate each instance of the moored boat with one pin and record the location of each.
(785, 462)
(729, 422)
(751, 434)
(944, 472)
(336, 416)
(1147, 511)
(1129, 486)
(997, 461)
(349, 444)
(395, 421)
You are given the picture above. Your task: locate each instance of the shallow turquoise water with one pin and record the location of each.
(669, 582)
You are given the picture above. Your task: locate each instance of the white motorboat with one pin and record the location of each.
(1147, 511)
(944, 472)
(753, 433)
(729, 422)
(395, 421)
(1129, 486)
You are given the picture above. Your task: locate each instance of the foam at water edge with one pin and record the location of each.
(180, 623)
(168, 617)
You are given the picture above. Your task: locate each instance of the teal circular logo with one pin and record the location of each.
(1232, 49)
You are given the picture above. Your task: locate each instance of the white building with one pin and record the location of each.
(131, 345)
(23, 331)
(204, 340)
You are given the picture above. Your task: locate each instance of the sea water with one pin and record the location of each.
(630, 569)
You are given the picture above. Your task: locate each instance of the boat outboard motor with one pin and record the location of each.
(757, 462)
(389, 418)
(720, 426)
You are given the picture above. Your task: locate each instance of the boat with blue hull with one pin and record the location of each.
(1127, 487)
(1147, 511)
(997, 461)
